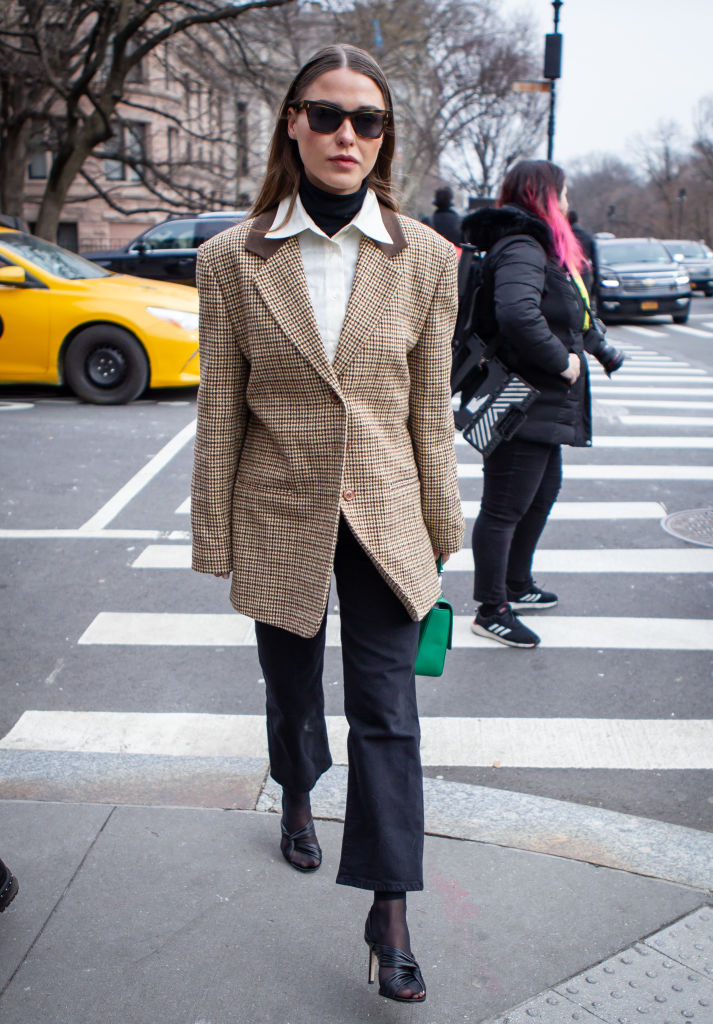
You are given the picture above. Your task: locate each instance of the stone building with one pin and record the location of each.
(194, 144)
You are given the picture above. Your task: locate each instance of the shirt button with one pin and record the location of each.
(348, 494)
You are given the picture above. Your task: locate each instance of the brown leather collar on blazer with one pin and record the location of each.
(258, 243)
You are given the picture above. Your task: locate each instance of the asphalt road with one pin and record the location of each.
(615, 709)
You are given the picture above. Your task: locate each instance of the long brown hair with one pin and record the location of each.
(282, 176)
(536, 186)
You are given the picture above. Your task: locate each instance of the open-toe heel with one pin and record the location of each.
(405, 968)
(297, 843)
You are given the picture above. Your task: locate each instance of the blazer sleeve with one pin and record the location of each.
(220, 429)
(519, 280)
(431, 415)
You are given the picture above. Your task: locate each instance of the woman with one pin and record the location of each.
(532, 275)
(325, 443)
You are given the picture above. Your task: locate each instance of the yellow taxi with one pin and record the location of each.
(64, 320)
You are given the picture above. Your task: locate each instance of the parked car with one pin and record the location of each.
(697, 260)
(108, 336)
(638, 278)
(167, 251)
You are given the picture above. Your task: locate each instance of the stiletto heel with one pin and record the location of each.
(406, 969)
(296, 844)
(372, 965)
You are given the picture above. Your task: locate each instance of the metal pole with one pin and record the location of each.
(556, 4)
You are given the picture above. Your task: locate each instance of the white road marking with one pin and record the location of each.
(159, 629)
(561, 510)
(628, 560)
(625, 390)
(655, 403)
(15, 406)
(82, 534)
(683, 329)
(185, 507)
(130, 489)
(587, 471)
(679, 372)
(590, 743)
(645, 330)
(666, 421)
(651, 441)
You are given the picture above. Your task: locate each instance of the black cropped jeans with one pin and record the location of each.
(521, 481)
(382, 847)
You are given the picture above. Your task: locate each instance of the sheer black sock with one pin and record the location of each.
(388, 918)
(296, 812)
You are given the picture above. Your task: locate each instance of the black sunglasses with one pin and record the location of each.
(326, 118)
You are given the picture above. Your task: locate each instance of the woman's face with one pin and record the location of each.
(563, 203)
(338, 162)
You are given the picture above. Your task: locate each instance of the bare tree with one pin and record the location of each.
(76, 56)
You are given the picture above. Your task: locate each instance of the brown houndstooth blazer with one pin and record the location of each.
(286, 440)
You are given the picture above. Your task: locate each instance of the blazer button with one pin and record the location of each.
(334, 397)
(348, 445)
(348, 494)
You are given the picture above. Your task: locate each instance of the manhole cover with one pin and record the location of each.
(694, 526)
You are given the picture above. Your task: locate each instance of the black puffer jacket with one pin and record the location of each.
(540, 316)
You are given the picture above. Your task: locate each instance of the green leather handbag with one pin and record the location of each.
(435, 638)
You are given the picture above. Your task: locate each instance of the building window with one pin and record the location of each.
(127, 143)
(172, 144)
(37, 167)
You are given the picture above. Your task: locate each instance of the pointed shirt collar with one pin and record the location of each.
(368, 220)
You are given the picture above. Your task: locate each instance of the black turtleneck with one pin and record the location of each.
(329, 211)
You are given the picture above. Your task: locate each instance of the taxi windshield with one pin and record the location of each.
(687, 249)
(49, 257)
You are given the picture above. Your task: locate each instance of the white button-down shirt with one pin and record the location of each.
(330, 263)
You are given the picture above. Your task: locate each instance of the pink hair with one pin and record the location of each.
(536, 185)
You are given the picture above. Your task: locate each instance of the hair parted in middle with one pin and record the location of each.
(536, 186)
(282, 175)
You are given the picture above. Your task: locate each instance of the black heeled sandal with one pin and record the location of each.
(406, 969)
(296, 844)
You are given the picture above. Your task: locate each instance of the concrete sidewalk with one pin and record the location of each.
(189, 915)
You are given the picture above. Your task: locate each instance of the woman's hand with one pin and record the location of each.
(573, 369)
(443, 555)
(222, 575)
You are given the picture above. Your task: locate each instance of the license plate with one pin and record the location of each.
(649, 305)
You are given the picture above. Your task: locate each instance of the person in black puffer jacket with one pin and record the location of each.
(537, 297)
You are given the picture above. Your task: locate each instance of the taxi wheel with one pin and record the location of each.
(680, 318)
(106, 365)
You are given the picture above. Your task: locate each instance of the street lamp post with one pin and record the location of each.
(553, 71)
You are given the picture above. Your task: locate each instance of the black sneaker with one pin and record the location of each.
(533, 599)
(8, 886)
(504, 627)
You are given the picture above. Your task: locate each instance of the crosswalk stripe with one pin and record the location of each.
(644, 330)
(561, 510)
(585, 743)
(586, 471)
(223, 629)
(590, 510)
(618, 389)
(628, 560)
(629, 370)
(655, 403)
(684, 329)
(666, 421)
(610, 441)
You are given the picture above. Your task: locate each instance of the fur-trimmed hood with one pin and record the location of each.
(487, 226)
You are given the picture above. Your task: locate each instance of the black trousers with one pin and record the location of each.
(521, 482)
(382, 847)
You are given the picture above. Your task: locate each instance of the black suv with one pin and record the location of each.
(697, 261)
(167, 252)
(638, 278)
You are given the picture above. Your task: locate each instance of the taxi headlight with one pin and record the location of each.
(610, 282)
(682, 279)
(180, 317)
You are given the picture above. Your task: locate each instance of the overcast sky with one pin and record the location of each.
(627, 64)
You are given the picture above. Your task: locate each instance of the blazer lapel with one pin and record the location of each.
(377, 275)
(282, 284)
